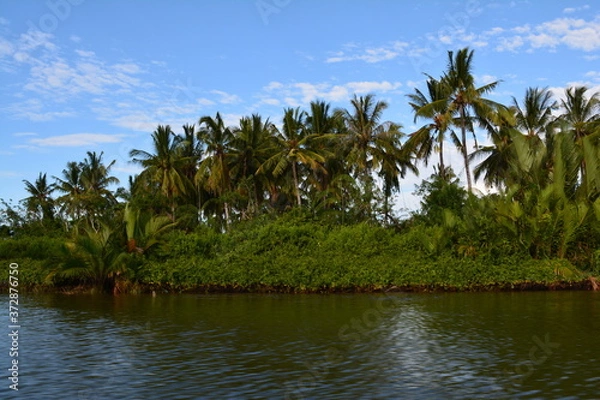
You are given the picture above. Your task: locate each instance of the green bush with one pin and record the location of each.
(36, 248)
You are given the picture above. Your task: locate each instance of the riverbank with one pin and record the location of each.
(589, 284)
(295, 256)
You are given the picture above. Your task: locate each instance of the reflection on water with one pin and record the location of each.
(454, 346)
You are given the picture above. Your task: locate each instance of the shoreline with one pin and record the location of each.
(587, 284)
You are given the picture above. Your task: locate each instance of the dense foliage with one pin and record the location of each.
(309, 205)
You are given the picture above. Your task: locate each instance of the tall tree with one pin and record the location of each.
(371, 142)
(581, 112)
(214, 173)
(253, 143)
(328, 124)
(96, 179)
(72, 201)
(164, 164)
(394, 161)
(363, 123)
(467, 100)
(582, 119)
(294, 149)
(535, 117)
(40, 203)
(432, 105)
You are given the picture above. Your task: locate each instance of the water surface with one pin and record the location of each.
(409, 346)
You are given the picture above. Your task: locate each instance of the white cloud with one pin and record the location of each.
(33, 39)
(61, 80)
(494, 31)
(486, 79)
(369, 86)
(76, 140)
(84, 53)
(75, 38)
(204, 101)
(510, 44)
(9, 174)
(270, 101)
(6, 48)
(129, 68)
(571, 10)
(226, 98)
(302, 93)
(35, 110)
(577, 34)
(371, 55)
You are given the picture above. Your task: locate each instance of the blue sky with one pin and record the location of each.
(88, 75)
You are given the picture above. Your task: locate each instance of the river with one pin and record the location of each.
(529, 345)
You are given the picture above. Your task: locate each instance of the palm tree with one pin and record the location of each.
(500, 166)
(363, 124)
(394, 161)
(95, 175)
(370, 143)
(535, 116)
(433, 106)
(143, 229)
(582, 119)
(191, 151)
(164, 165)
(294, 148)
(466, 100)
(213, 173)
(40, 204)
(93, 256)
(580, 112)
(253, 143)
(96, 178)
(72, 202)
(329, 125)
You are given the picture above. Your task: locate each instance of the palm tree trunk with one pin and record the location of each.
(296, 185)
(442, 167)
(226, 209)
(463, 129)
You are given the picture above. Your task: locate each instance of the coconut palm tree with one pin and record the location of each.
(40, 203)
(96, 178)
(535, 117)
(581, 119)
(214, 173)
(364, 130)
(95, 175)
(253, 143)
(294, 149)
(93, 256)
(370, 142)
(164, 164)
(191, 151)
(394, 161)
(581, 112)
(466, 101)
(328, 125)
(498, 166)
(72, 201)
(143, 229)
(432, 105)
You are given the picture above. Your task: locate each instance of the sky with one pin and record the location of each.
(89, 75)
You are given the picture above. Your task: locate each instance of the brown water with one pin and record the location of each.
(449, 346)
